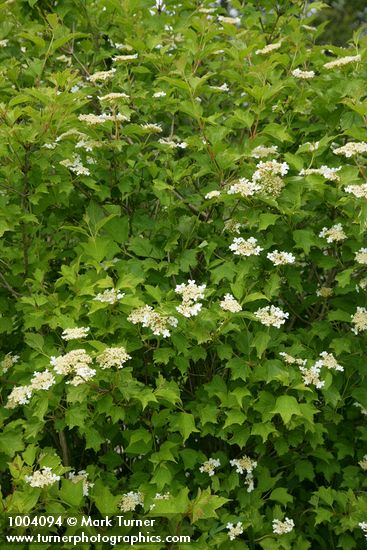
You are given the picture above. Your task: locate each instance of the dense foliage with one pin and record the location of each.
(143, 148)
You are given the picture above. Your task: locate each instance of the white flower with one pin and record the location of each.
(4, 43)
(229, 20)
(359, 191)
(342, 61)
(42, 478)
(363, 463)
(75, 333)
(324, 292)
(363, 526)
(190, 291)
(223, 88)
(113, 96)
(20, 395)
(101, 119)
(68, 363)
(173, 144)
(363, 410)
(109, 296)
(292, 360)
(161, 93)
(232, 226)
(242, 247)
(82, 374)
(209, 466)
(244, 187)
(334, 234)
(271, 316)
(230, 304)
(272, 167)
(261, 151)
(359, 319)
(130, 501)
(312, 376)
(154, 128)
(81, 476)
(102, 76)
(234, 530)
(113, 357)
(303, 74)
(76, 166)
(122, 58)
(153, 320)
(352, 148)
(269, 48)
(328, 360)
(8, 361)
(325, 171)
(282, 527)
(42, 380)
(245, 464)
(361, 256)
(281, 258)
(212, 194)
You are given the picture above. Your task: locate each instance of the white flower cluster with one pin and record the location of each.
(269, 48)
(242, 247)
(172, 143)
(359, 319)
(282, 527)
(229, 303)
(335, 233)
(159, 94)
(76, 166)
(244, 187)
(113, 96)
(261, 151)
(209, 466)
(290, 360)
(82, 475)
(76, 363)
(151, 127)
(234, 530)
(341, 61)
(305, 75)
(359, 406)
(159, 496)
(104, 117)
(324, 292)
(212, 194)
(329, 361)
(113, 357)
(20, 395)
(101, 76)
(312, 376)
(130, 501)
(361, 256)
(271, 316)
(75, 333)
(223, 88)
(363, 526)
(359, 191)
(269, 175)
(123, 58)
(245, 464)
(42, 380)
(351, 149)
(8, 361)
(153, 320)
(281, 258)
(363, 463)
(325, 171)
(232, 226)
(109, 296)
(42, 478)
(191, 293)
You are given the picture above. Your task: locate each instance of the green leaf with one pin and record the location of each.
(205, 505)
(184, 423)
(287, 406)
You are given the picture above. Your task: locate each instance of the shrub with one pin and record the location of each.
(183, 271)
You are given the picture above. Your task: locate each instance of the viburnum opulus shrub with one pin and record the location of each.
(183, 270)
